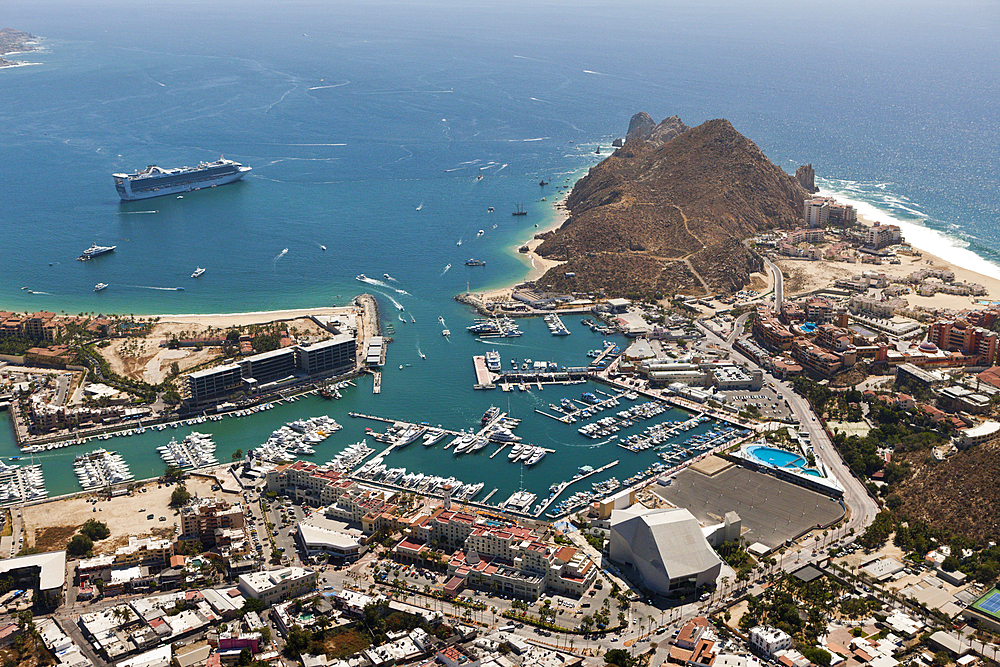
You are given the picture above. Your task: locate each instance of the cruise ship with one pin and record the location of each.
(154, 181)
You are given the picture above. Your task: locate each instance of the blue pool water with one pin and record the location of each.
(779, 458)
(808, 326)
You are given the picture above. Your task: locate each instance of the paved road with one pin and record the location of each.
(779, 285)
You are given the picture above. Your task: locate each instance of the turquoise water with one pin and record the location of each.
(778, 458)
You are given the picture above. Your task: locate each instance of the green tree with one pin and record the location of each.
(172, 473)
(95, 530)
(252, 604)
(297, 641)
(80, 545)
(237, 455)
(817, 655)
(180, 496)
(619, 657)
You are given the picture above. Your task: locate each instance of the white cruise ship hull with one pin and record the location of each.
(126, 193)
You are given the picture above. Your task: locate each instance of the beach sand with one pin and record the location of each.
(808, 275)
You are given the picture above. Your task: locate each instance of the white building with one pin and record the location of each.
(766, 641)
(977, 435)
(666, 548)
(276, 585)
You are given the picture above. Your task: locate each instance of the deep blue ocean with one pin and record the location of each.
(366, 125)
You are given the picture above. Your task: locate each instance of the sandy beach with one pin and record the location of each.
(805, 276)
(223, 320)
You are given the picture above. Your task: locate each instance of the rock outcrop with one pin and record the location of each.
(642, 127)
(670, 219)
(806, 176)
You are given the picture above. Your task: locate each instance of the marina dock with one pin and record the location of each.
(564, 485)
(377, 384)
(484, 379)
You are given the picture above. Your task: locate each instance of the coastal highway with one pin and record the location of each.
(779, 284)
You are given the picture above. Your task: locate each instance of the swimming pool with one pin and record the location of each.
(779, 458)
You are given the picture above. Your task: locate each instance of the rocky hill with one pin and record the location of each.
(667, 213)
(959, 494)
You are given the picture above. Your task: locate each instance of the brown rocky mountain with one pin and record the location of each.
(643, 128)
(671, 218)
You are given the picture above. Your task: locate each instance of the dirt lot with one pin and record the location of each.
(51, 525)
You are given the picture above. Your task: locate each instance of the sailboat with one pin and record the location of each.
(519, 211)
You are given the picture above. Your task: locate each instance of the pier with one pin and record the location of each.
(488, 496)
(377, 385)
(484, 379)
(564, 485)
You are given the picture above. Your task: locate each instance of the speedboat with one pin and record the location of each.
(100, 286)
(362, 277)
(387, 276)
(322, 247)
(480, 232)
(197, 272)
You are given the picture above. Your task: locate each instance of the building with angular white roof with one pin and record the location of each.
(666, 548)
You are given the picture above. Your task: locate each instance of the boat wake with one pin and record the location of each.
(388, 277)
(279, 256)
(403, 292)
(37, 292)
(162, 289)
(398, 305)
(137, 212)
(376, 282)
(446, 267)
(420, 206)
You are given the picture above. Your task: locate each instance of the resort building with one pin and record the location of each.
(816, 212)
(507, 558)
(277, 585)
(665, 548)
(978, 435)
(207, 520)
(880, 236)
(47, 569)
(328, 357)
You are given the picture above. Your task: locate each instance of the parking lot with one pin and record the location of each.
(772, 511)
(766, 400)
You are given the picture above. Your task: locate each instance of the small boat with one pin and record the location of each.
(446, 333)
(475, 262)
(479, 177)
(459, 242)
(322, 247)
(401, 367)
(387, 276)
(100, 286)
(519, 211)
(362, 277)
(197, 272)
(179, 289)
(480, 232)
(422, 355)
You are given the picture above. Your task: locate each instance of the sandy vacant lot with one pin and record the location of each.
(51, 525)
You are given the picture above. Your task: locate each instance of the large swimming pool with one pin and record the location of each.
(779, 458)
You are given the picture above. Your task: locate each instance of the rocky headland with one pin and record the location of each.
(667, 213)
(15, 41)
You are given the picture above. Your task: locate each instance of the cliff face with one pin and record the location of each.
(671, 217)
(642, 127)
(806, 176)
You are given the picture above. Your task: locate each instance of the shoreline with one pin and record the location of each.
(822, 273)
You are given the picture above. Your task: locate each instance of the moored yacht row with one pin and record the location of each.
(197, 450)
(101, 468)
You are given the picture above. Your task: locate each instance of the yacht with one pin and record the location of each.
(100, 286)
(197, 272)
(493, 361)
(515, 451)
(434, 435)
(536, 456)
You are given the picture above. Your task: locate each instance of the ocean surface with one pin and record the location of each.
(366, 126)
